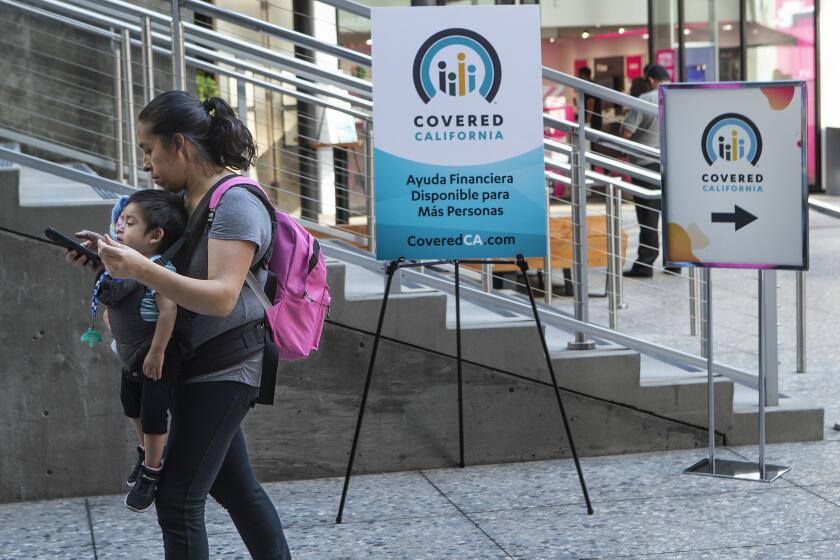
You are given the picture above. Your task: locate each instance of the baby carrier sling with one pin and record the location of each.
(295, 297)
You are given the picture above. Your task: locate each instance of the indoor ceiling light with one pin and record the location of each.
(646, 36)
(584, 35)
(686, 31)
(369, 42)
(727, 27)
(621, 31)
(551, 39)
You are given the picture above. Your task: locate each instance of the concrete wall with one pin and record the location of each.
(63, 432)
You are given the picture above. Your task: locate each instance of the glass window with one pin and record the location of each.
(780, 46)
(664, 29)
(712, 41)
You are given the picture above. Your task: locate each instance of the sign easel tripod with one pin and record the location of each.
(391, 269)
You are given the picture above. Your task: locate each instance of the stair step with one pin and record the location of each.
(509, 342)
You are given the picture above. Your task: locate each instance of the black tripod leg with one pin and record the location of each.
(458, 349)
(392, 268)
(524, 266)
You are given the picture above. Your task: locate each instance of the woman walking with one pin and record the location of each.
(190, 147)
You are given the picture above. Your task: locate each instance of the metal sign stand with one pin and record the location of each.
(392, 268)
(724, 468)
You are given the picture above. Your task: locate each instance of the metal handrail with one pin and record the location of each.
(61, 151)
(123, 9)
(351, 7)
(823, 207)
(605, 93)
(272, 74)
(65, 20)
(294, 37)
(116, 187)
(268, 56)
(580, 176)
(548, 316)
(641, 173)
(623, 144)
(87, 15)
(628, 147)
(258, 53)
(196, 63)
(594, 176)
(65, 172)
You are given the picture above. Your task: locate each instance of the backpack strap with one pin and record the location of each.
(258, 290)
(180, 253)
(191, 236)
(259, 192)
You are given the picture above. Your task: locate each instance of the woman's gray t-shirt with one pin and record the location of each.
(240, 216)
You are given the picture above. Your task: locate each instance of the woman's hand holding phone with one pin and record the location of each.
(121, 261)
(88, 239)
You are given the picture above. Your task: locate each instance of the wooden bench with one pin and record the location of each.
(562, 251)
(355, 229)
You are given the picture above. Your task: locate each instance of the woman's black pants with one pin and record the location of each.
(206, 454)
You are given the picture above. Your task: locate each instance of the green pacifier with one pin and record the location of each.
(91, 337)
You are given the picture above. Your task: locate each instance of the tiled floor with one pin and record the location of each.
(644, 508)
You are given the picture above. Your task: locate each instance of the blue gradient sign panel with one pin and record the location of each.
(458, 134)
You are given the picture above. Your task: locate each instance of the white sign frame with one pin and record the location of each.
(480, 144)
(682, 174)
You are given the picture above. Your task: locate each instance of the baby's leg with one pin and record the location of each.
(131, 394)
(138, 429)
(156, 402)
(158, 398)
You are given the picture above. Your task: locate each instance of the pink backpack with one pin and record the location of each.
(301, 299)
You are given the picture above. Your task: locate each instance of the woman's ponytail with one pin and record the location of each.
(229, 141)
(211, 126)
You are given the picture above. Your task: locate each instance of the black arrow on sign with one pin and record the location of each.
(740, 218)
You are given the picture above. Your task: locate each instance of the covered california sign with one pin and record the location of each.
(458, 134)
(734, 181)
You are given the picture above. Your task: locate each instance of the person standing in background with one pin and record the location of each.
(593, 109)
(644, 128)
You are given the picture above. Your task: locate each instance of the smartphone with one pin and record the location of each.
(69, 243)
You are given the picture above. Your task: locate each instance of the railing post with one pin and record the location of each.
(769, 339)
(179, 70)
(692, 300)
(148, 61)
(242, 99)
(129, 107)
(118, 113)
(708, 335)
(619, 279)
(547, 284)
(613, 258)
(800, 322)
(369, 203)
(487, 278)
(704, 319)
(580, 263)
(148, 69)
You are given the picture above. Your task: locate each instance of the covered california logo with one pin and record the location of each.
(457, 62)
(731, 137)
